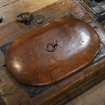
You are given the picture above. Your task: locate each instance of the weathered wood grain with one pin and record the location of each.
(59, 93)
(10, 92)
(9, 9)
(94, 96)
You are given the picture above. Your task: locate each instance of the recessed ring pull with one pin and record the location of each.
(51, 47)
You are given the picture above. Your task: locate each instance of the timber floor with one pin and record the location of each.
(94, 96)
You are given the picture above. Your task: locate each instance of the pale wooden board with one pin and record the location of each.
(95, 96)
(10, 91)
(9, 9)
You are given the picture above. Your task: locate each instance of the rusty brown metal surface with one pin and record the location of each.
(71, 43)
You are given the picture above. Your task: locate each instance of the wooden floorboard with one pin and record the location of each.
(94, 96)
(9, 9)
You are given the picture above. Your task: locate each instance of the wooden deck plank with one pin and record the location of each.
(9, 9)
(94, 96)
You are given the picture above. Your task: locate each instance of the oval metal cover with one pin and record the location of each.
(31, 63)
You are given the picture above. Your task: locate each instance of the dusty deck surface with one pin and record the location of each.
(94, 96)
(10, 8)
